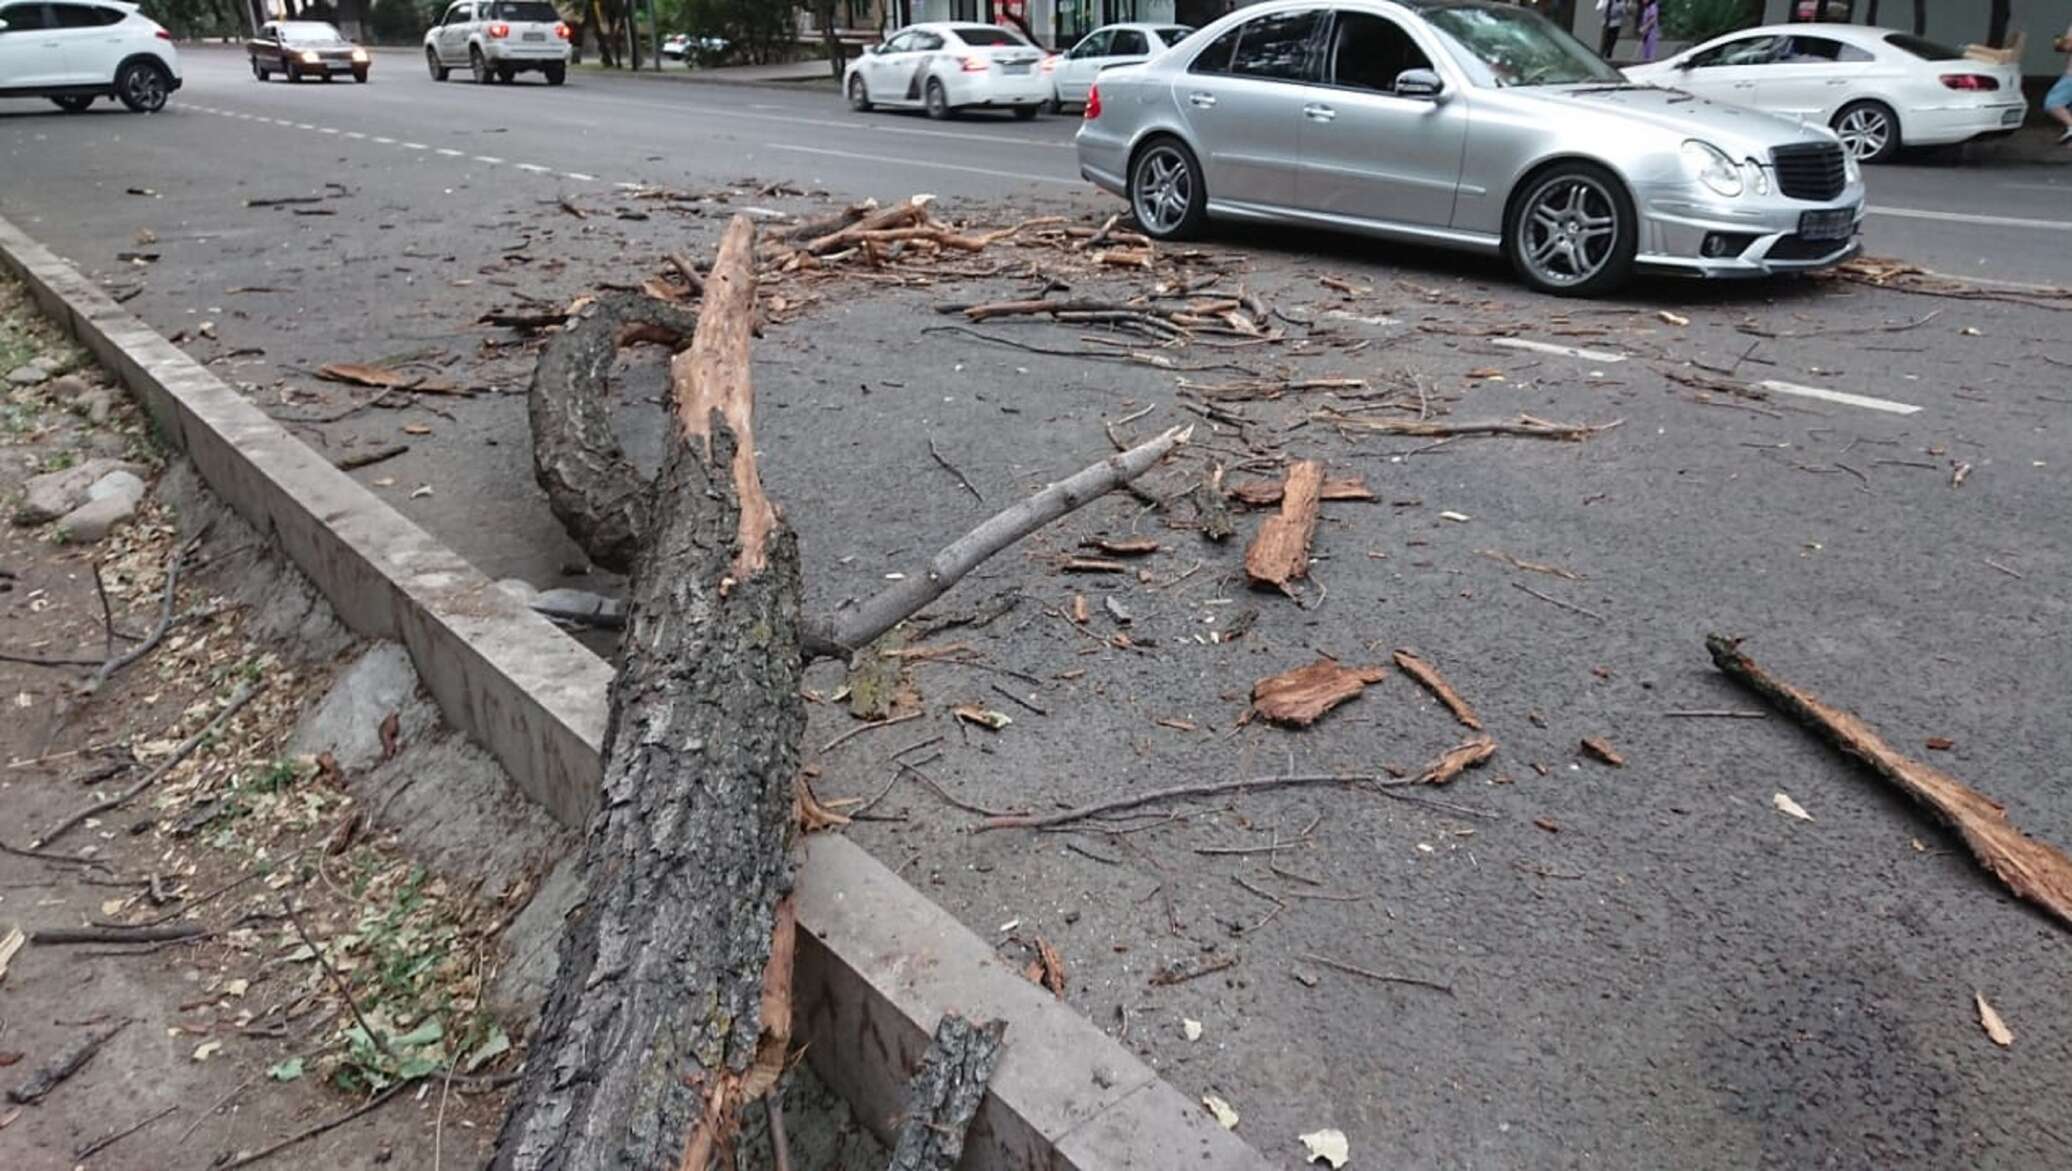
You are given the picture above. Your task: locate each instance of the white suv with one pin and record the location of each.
(496, 40)
(73, 51)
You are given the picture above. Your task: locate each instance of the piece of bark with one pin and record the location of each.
(1262, 493)
(1133, 547)
(1456, 760)
(360, 459)
(1080, 612)
(827, 225)
(1053, 967)
(592, 488)
(1602, 749)
(1298, 697)
(366, 374)
(944, 1094)
(1417, 668)
(1280, 551)
(2032, 869)
(67, 1062)
(1211, 509)
(881, 685)
(655, 1032)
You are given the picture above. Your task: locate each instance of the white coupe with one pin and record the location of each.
(1876, 88)
(947, 67)
(1072, 73)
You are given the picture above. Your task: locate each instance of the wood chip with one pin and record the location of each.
(1262, 493)
(1783, 803)
(1298, 697)
(1053, 967)
(1941, 743)
(1458, 759)
(1134, 547)
(1602, 749)
(1279, 552)
(364, 374)
(1989, 1019)
(985, 718)
(1080, 611)
(1417, 668)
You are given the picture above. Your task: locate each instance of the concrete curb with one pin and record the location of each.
(878, 963)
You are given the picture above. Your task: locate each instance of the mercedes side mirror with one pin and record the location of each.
(1419, 83)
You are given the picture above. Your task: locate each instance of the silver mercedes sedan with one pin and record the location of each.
(1465, 123)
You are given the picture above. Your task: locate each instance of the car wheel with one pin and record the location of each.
(73, 103)
(506, 74)
(258, 70)
(143, 86)
(1167, 196)
(329, 77)
(1868, 130)
(360, 76)
(1057, 105)
(291, 73)
(937, 101)
(479, 66)
(431, 60)
(859, 94)
(557, 73)
(1573, 232)
(1026, 112)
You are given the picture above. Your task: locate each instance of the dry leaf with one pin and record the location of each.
(1298, 697)
(986, 718)
(1192, 1028)
(1602, 749)
(806, 810)
(416, 429)
(1053, 967)
(1455, 517)
(1789, 807)
(207, 1049)
(1328, 1145)
(10, 943)
(363, 374)
(1225, 1116)
(1673, 318)
(1941, 743)
(1989, 1019)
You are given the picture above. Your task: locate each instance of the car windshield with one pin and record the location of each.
(310, 32)
(1921, 47)
(978, 36)
(1506, 46)
(525, 11)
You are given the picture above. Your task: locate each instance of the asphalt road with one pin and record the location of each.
(1649, 966)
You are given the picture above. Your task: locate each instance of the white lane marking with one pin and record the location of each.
(413, 146)
(1965, 217)
(304, 126)
(492, 160)
(451, 153)
(1839, 396)
(1524, 343)
(327, 130)
(630, 186)
(535, 168)
(385, 141)
(848, 154)
(356, 134)
(579, 177)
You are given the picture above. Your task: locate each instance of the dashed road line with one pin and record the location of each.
(1839, 396)
(535, 168)
(450, 153)
(1537, 347)
(492, 160)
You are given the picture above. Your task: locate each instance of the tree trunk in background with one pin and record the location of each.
(825, 13)
(657, 1017)
(1870, 12)
(1920, 18)
(1996, 27)
(601, 29)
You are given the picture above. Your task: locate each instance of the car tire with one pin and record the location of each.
(557, 73)
(73, 103)
(506, 74)
(1869, 130)
(479, 66)
(859, 94)
(328, 76)
(1168, 198)
(1024, 113)
(937, 101)
(360, 76)
(143, 86)
(1556, 216)
(291, 73)
(258, 70)
(1057, 105)
(431, 60)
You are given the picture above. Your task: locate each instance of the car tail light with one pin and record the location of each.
(975, 64)
(1093, 101)
(499, 30)
(161, 34)
(1970, 81)
(561, 31)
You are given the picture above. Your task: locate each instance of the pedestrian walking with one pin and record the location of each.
(1614, 19)
(1650, 28)
(2058, 102)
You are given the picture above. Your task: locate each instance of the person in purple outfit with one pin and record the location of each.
(1650, 28)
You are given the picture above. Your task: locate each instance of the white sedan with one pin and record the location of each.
(1876, 88)
(1072, 73)
(947, 67)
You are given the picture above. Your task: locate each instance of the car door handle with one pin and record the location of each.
(1201, 99)
(1317, 112)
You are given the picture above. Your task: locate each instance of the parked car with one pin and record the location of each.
(1072, 72)
(683, 47)
(496, 40)
(77, 50)
(947, 67)
(1471, 124)
(296, 49)
(1879, 89)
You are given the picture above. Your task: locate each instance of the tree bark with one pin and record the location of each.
(945, 1093)
(1280, 551)
(656, 1017)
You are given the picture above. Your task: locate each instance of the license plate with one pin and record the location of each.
(2010, 117)
(534, 37)
(1832, 224)
(1015, 67)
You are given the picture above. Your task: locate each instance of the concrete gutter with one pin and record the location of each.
(878, 964)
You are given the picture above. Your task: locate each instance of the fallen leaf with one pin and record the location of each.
(1134, 547)
(986, 718)
(1673, 318)
(1192, 1028)
(1225, 1116)
(364, 374)
(1455, 517)
(206, 1050)
(1941, 743)
(10, 943)
(1989, 1019)
(1328, 1145)
(1053, 967)
(1298, 697)
(1790, 808)
(1548, 824)
(416, 429)
(8, 1058)
(1602, 749)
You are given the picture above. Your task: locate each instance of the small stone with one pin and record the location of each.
(28, 375)
(53, 494)
(88, 523)
(119, 483)
(68, 388)
(579, 606)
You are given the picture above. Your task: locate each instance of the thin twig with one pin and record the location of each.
(943, 793)
(1716, 713)
(337, 981)
(1212, 789)
(1369, 973)
(1032, 705)
(860, 729)
(952, 469)
(107, 623)
(1588, 613)
(101, 1144)
(780, 1143)
(439, 1125)
(220, 1103)
(244, 696)
(308, 1133)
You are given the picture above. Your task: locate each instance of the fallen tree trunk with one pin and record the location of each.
(2034, 870)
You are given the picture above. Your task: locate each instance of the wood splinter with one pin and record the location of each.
(1419, 669)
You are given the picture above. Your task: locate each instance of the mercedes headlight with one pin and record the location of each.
(1709, 165)
(310, 57)
(1851, 169)
(1755, 176)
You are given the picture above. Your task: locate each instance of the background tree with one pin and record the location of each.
(1996, 23)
